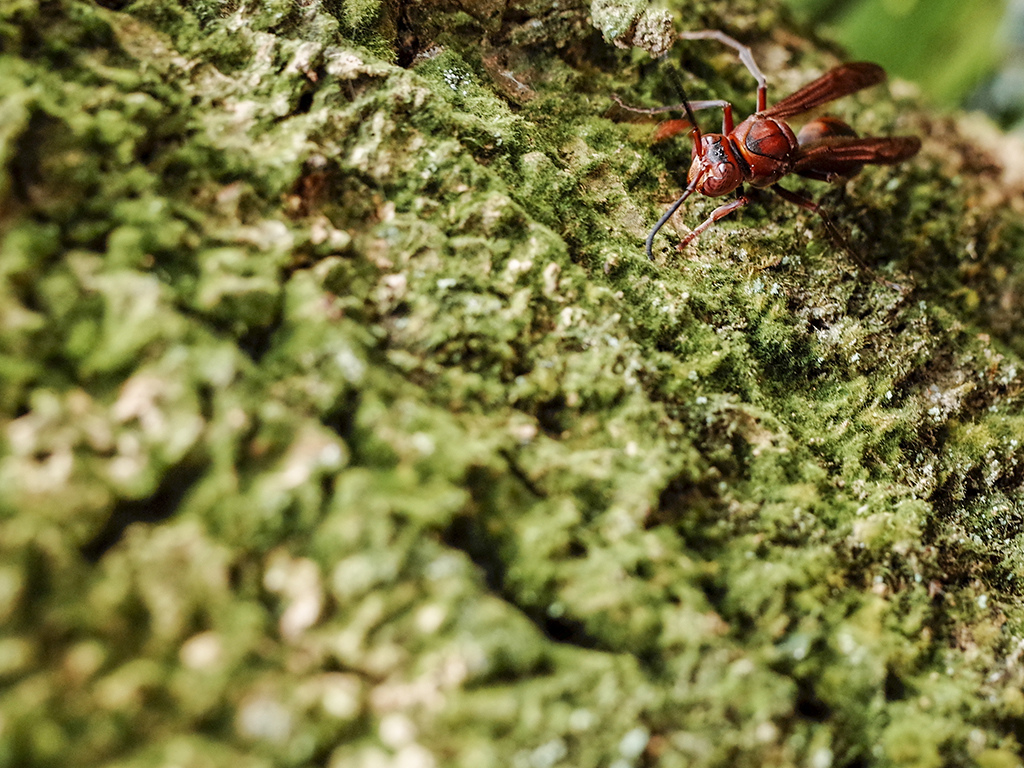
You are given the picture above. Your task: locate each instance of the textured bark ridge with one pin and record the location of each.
(343, 421)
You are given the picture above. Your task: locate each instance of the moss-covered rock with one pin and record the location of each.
(344, 421)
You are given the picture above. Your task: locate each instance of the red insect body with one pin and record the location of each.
(763, 149)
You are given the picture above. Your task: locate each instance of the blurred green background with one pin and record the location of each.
(961, 53)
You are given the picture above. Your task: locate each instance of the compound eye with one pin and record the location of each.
(720, 179)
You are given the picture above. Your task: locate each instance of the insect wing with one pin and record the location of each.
(840, 151)
(669, 128)
(834, 84)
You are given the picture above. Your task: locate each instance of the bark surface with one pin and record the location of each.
(343, 420)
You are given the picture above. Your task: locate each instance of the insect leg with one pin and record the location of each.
(815, 208)
(833, 230)
(803, 202)
(668, 215)
(746, 56)
(719, 213)
(669, 128)
(694, 105)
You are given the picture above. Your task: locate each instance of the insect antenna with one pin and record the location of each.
(668, 215)
(697, 149)
(678, 83)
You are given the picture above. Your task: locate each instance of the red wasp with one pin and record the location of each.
(763, 148)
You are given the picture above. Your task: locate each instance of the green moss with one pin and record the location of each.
(344, 419)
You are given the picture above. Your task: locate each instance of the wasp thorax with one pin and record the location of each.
(716, 170)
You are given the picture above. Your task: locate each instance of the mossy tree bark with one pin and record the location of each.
(346, 423)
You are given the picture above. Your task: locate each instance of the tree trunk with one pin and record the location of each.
(345, 421)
